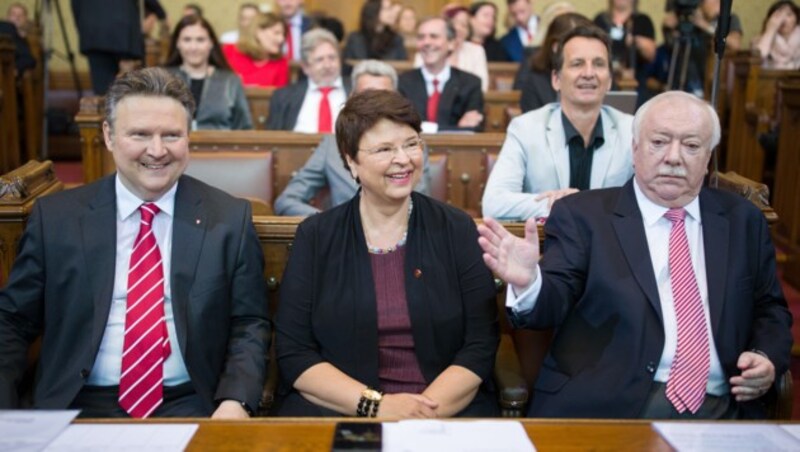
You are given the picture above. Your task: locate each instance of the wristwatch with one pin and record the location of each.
(369, 403)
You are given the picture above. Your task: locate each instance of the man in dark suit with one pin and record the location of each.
(312, 104)
(522, 35)
(297, 24)
(446, 97)
(663, 293)
(146, 286)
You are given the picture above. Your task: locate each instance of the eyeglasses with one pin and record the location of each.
(412, 148)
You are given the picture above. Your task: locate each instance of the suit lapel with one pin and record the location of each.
(631, 237)
(188, 232)
(295, 103)
(601, 160)
(99, 227)
(715, 246)
(448, 98)
(418, 94)
(556, 146)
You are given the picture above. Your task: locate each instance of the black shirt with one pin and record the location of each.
(580, 157)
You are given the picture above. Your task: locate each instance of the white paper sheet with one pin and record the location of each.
(31, 430)
(726, 437)
(124, 437)
(793, 429)
(464, 436)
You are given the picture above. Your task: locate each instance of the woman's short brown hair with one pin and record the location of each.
(363, 110)
(248, 41)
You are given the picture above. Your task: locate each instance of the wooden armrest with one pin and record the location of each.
(781, 409)
(512, 391)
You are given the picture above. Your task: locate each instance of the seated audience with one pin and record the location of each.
(192, 9)
(564, 147)
(406, 26)
(448, 98)
(324, 168)
(257, 57)
(247, 11)
(664, 293)
(121, 278)
(196, 57)
(779, 42)
(297, 24)
(375, 38)
(534, 78)
(483, 22)
(466, 55)
(312, 104)
(386, 309)
(522, 34)
(633, 44)
(23, 59)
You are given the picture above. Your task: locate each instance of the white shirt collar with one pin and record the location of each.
(652, 212)
(442, 77)
(128, 203)
(338, 84)
(297, 19)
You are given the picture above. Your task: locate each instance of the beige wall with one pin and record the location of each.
(222, 14)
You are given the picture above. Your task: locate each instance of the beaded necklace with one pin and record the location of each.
(376, 250)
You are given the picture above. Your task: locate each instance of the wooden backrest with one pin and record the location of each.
(9, 124)
(786, 197)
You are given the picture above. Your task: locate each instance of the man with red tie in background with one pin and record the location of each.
(297, 24)
(146, 286)
(663, 294)
(312, 105)
(445, 97)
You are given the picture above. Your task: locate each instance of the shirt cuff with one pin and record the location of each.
(526, 301)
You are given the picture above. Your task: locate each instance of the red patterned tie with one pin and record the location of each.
(433, 102)
(325, 118)
(289, 42)
(146, 342)
(686, 386)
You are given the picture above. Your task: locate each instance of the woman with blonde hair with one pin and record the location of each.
(257, 56)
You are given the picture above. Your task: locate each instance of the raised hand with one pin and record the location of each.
(511, 258)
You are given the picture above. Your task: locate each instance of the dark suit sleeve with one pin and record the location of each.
(245, 368)
(772, 321)
(21, 309)
(296, 347)
(469, 97)
(478, 295)
(277, 108)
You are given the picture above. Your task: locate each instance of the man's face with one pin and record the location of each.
(323, 66)
(369, 81)
(584, 78)
(149, 143)
(17, 16)
(672, 151)
(246, 16)
(288, 8)
(710, 9)
(521, 12)
(432, 44)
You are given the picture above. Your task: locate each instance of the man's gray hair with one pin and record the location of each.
(374, 68)
(150, 82)
(313, 38)
(716, 131)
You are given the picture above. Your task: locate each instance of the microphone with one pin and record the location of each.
(723, 26)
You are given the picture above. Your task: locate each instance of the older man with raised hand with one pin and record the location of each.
(312, 105)
(563, 147)
(146, 286)
(446, 98)
(663, 293)
(325, 167)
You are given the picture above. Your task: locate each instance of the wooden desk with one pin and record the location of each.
(316, 434)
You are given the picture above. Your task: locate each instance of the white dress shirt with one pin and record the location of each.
(308, 118)
(441, 78)
(533, 27)
(107, 365)
(657, 230)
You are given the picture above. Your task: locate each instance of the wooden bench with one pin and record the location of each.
(9, 123)
(786, 197)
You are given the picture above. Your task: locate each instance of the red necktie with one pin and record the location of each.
(433, 102)
(325, 117)
(688, 375)
(529, 36)
(289, 42)
(145, 342)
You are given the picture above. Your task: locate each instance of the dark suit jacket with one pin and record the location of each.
(284, 107)
(327, 311)
(109, 27)
(23, 60)
(513, 45)
(536, 87)
(461, 94)
(61, 284)
(599, 291)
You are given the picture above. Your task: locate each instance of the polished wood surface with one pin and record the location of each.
(316, 434)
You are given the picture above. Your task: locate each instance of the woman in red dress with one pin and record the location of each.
(257, 57)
